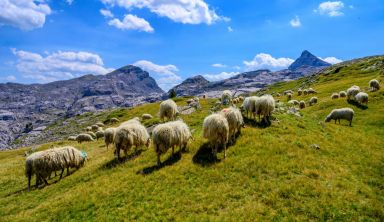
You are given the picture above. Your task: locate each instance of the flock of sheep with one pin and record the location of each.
(219, 128)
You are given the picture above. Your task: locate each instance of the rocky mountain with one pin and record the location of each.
(246, 82)
(25, 110)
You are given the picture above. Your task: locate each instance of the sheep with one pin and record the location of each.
(362, 98)
(335, 96)
(249, 105)
(234, 101)
(299, 92)
(92, 134)
(109, 136)
(135, 120)
(100, 124)
(311, 91)
(216, 130)
(293, 102)
(88, 129)
(343, 94)
(146, 116)
(305, 92)
(302, 104)
(170, 134)
(190, 101)
(99, 134)
(374, 84)
(129, 135)
(95, 128)
(312, 101)
(168, 109)
(241, 98)
(226, 97)
(352, 92)
(29, 167)
(343, 113)
(84, 138)
(196, 99)
(235, 121)
(264, 106)
(113, 120)
(289, 96)
(288, 91)
(71, 138)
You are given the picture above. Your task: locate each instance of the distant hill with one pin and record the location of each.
(41, 104)
(247, 82)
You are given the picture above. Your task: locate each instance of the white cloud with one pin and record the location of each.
(266, 61)
(131, 22)
(331, 9)
(182, 11)
(236, 67)
(106, 13)
(331, 60)
(23, 14)
(219, 65)
(220, 76)
(10, 78)
(295, 22)
(166, 75)
(58, 65)
(69, 2)
(230, 29)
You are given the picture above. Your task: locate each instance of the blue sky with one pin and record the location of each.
(42, 41)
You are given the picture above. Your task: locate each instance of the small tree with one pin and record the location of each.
(172, 93)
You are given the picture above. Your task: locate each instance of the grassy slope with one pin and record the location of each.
(270, 173)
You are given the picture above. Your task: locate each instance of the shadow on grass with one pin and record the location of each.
(115, 162)
(204, 155)
(261, 124)
(358, 105)
(168, 162)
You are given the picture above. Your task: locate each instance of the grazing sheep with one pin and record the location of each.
(92, 134)
(311, 91)
(299, 92)
(170, 134)
(362, 98)
(84, 138)
(374, 84)
(302, 104)
(100, 124)
(305, 92)
(334, 96)
(226, 97)
(343, 94)
(249, 105)
(146, 116)
(352, 92)
(264, 106)
(312, 101)
(130, 135)
(95, 128)
(71, 138)
(113, 120)
(168, 109)
(109, 136)
(135, 120)
(288, 91)
(88, 129)
(216, 130)
(294, 102)
(235, 121)
(278, 94)
(289, 96)
(234, 101)
(241, 99)
(99, 134)
(343, 113)
(29, 167)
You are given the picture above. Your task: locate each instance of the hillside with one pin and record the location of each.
(270, 174)
(40, 105)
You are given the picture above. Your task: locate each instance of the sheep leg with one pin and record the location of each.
(158, 159)
(29, 182)
(67, 171)
(225, 151)
(37, 181)
(350, 123)
(214, 151)
(61, 174)
(45, 181)
(173, 150)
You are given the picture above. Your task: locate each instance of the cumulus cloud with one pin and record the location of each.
(131, 22)
(181, 11)
(331, 9)
(266, 61)
(219, 76)
(166, 75)
(23, 14)
(106, 13)
(219, 65)
(58, 65)
(331, 60)
(295, 22)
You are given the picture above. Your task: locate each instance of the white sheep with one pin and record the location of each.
(235, 121)
(335, 96)
(84, 137)
(374, 84)
(216, 130)
(289, 96)
(362, 98)
(92, 134)
(146, 116)
(343, 94)
(288, 91)
(168, 109)
(312, 101)
(311, 91)
(302, 104)
(352, 92)
(130, 135)
(71, 138)
(170, 134)
(109, 136)
(135, 120)
(249, 105)
(343, 113)
(305, 92)
(299, 92)
(264, 106)
(99, 134)
(95, 128)
(226, 97)
(294, 102)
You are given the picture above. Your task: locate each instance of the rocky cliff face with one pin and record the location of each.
(246, 82)
(26, 109)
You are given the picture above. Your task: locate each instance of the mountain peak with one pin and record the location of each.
(307, 59)
(196, 79)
